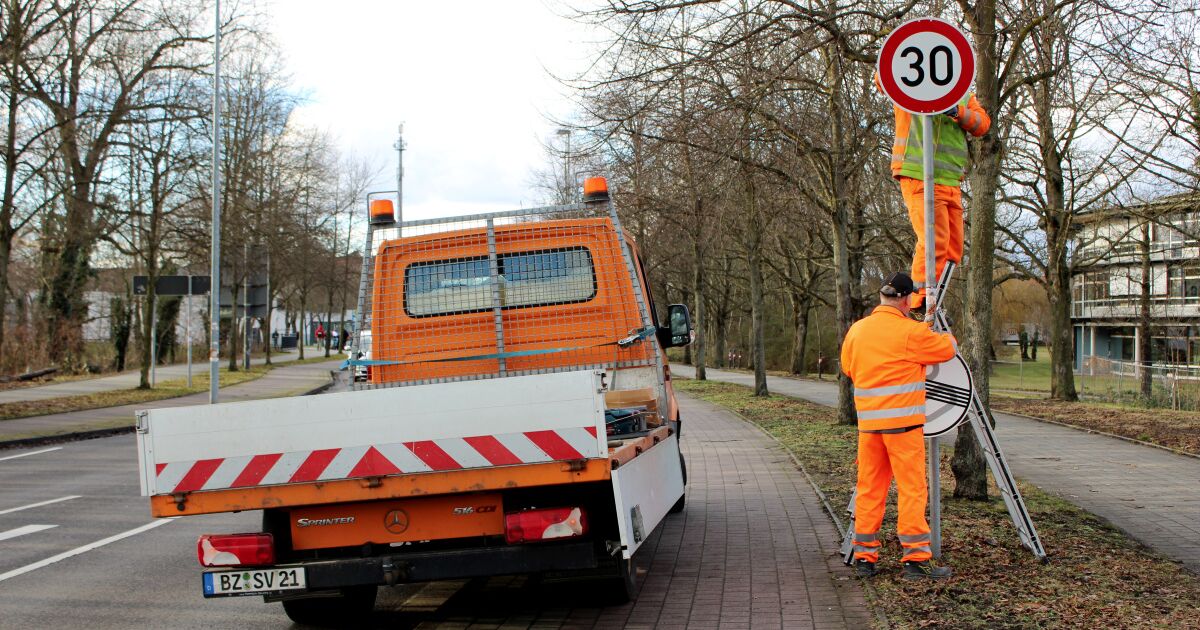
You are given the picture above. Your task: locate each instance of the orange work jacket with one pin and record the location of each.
(885, 354)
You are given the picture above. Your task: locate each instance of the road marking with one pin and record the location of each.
(84, 549)
(56, 448)
(34, 505)
(21, 531)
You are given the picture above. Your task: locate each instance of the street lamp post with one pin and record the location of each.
(570, 185)
(214, 299)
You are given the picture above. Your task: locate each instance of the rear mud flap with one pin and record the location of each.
(644, 491)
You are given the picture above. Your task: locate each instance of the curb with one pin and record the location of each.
(1098, 432)
(78, 436)
(868, 588)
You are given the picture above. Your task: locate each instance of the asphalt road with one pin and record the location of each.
(79, 549)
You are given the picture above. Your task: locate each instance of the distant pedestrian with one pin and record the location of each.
(320, 334)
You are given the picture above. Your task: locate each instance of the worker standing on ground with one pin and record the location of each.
(949, 166)
(885, 355)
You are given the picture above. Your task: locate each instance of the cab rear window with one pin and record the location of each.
(463, 285)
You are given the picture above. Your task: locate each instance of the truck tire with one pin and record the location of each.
(353, 603)
(678, 507)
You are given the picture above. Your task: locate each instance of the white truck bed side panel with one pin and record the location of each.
(645, 489)
(411, 428)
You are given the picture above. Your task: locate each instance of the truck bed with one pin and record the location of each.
(394, 442)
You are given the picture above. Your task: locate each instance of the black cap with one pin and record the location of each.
(897, 285)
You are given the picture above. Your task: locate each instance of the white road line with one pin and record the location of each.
(56, 448)
(21, 531)
(34, 505)
(84, 549)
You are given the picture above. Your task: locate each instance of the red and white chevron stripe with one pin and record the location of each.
(480, 451)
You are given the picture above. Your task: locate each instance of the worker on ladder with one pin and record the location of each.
(885, 355)
(950, 162)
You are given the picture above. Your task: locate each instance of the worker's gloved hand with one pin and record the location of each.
(952, 112)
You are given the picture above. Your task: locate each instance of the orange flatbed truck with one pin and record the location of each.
(518, 419)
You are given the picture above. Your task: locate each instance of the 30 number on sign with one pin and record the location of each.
(941, 66)
(926, 65)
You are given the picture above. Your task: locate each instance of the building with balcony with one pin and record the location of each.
(1117, 249)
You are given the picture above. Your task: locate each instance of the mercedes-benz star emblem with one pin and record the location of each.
(396, 521)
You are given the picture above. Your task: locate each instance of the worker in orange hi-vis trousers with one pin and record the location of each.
(885, 355)
(949, 166)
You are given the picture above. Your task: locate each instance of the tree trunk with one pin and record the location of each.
(233, 329)
(1146, 381)
(686, 296)
(799, 343)
(67, 308)
(757, 304)
(721, 323)
(968, 463)
(701, 357)
(147, 332)
(300, 333)
(1062, 377)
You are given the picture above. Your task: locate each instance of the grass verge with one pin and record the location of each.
(1098, 577)
(1179, 430)
(120, 397)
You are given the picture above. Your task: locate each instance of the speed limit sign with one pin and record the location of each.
(926, 66)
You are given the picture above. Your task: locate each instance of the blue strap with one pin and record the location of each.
(634, 336)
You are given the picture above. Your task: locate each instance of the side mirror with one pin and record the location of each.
(678, 331)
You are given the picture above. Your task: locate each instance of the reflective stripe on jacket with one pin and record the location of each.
(949, 143)
(885, 354)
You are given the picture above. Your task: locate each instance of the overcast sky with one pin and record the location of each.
(467, 78)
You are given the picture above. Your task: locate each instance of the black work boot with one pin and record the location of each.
(924, 569)
(864, 568)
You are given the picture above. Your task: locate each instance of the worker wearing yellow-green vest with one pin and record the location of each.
(949, 166)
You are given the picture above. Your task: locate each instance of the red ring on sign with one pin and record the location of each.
(965, 53)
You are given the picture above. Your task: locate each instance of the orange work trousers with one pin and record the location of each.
(880, 456)
(947, 228)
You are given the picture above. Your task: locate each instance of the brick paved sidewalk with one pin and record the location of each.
(1149, 493)
(753, 549)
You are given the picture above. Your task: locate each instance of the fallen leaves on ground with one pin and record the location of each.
(1174, 429)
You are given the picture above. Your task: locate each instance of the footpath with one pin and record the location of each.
(289, 380)
(1149, 493)
(124, 380)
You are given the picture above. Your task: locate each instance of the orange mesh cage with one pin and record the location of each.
(544, 295)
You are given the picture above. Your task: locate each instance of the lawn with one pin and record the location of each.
(1097, 577)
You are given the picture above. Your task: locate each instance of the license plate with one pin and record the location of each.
(253, 581)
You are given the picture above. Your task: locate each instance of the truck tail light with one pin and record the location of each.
(236, 550)
(549, 524)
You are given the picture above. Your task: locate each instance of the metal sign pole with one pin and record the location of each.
(188, 324)
(153, 336)
(931, 306)
(246, 308)
(214, 301)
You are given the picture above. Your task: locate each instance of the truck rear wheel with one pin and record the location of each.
(678, 507)
(349, 604)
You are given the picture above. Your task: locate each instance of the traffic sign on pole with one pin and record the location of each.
(926, 66)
